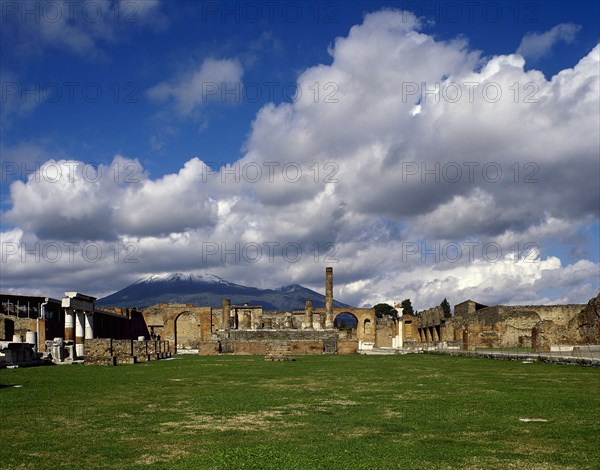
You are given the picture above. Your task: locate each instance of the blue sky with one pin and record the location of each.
(136, 87)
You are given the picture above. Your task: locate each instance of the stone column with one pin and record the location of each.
(69, 324)
(226, 311)
(308, 314)
(328, 297)
(89, 326)
(79, 333)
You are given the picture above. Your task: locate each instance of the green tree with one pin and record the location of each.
(407, 306)
(382, 309)
(446, 307)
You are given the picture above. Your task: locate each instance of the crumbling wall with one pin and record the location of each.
(583, 328)
(586, 325)
(507, 326)
(384, 331)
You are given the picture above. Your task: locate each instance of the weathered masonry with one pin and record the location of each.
(474, 325)
(247, 329)
(32, 328)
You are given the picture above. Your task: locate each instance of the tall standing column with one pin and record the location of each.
(79, 333)
(226, 312)
(69, 324)
(89, 326)
(308, 315)
(328, 297)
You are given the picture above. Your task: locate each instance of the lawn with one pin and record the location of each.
(329, 412)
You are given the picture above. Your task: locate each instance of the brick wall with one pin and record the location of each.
(248, 347)
(347, 347)
(306, 347)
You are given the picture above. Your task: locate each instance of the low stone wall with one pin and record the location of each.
(347, 347)
(107, 351)
(98, 347)
(559, 359)
(257, 342)
(307, 347)
(209, 348)
(122, 347)
(279, 335)
(249, 347)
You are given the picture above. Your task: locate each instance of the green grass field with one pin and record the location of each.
(329, 412)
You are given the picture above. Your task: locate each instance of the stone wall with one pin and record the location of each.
(184, 325)
(583, 328)
(258, 341)
(307, 347)
(504, 326)
(249, 347)
(587, 323)
(384, 331)
(347, 347)
(109, 351)
(209, 348)
(98, 347)
(122, 347)
(279, 335)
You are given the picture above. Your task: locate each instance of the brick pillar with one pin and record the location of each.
(69, 324)
(308, 315)
(226, 311)
(328, 297)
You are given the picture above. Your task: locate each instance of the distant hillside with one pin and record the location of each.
(209, 290)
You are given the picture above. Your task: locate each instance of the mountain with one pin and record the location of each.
(210, 290)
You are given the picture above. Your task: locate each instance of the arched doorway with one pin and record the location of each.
(347, 323)
(186, 333)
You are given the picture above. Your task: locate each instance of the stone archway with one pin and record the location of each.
(186, 332)
(347, 324)
(361, 315)
(345, 321)
(192, 325)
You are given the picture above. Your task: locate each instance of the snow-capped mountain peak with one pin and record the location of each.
(289, 288)
(182, 277)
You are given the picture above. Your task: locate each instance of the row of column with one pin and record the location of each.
(430, 334)
(308, 322)
(247, 318)
(79, 326)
